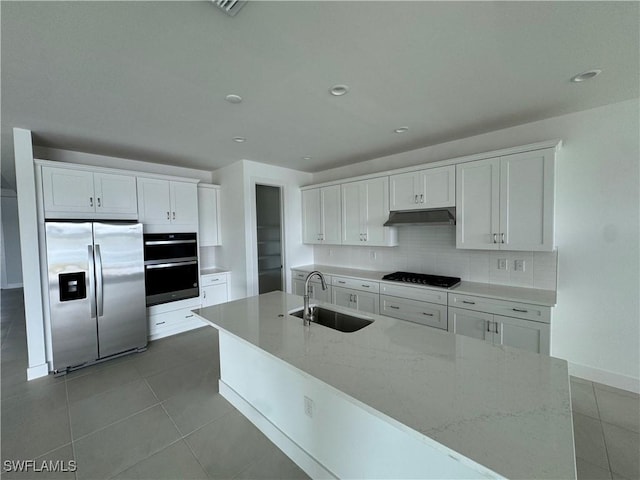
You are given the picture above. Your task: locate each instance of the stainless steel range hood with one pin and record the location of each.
(439, 216)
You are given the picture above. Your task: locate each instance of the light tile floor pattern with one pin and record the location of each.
(158, 414)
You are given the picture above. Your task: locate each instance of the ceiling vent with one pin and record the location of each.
(230, 7)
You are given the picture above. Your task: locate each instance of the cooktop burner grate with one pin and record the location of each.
(423, 279)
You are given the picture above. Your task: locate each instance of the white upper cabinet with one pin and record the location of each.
(321, 215)
(365, 208)
(506, 203)
(165, 202)
(209, 215)
(430, 188)
(71, 193)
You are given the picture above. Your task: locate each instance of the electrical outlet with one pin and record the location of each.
(308, 407)
(502, 264)
(519, 265)
(372, 254)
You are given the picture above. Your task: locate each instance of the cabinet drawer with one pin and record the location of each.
(425, 313)
(302, 275)
(525, 311)
(355, 284)
(414, 293)
(213, 279)
(171, 323)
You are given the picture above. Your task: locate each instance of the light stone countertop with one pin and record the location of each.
(504, 408)
(213, 271)
(533, 296)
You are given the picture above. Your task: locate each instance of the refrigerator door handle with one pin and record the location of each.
(99, 285)
(92, 279)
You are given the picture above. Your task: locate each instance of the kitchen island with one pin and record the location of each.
(393, 399)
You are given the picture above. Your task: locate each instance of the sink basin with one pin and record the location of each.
(337, 320)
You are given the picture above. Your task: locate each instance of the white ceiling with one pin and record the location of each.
(147, 80)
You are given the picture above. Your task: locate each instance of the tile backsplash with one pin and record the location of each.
(433, 250)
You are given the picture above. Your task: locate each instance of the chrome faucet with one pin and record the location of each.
(306, 312)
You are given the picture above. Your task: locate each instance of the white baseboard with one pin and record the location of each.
(605, 377)
(291, 449)
(38, 371)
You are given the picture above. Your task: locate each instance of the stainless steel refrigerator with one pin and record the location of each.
(96, 291)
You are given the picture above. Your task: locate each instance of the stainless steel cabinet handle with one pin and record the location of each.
(168, 265)
(421, 198)
(91, 201)
(99, 204)
(428, 314)
(365, 237)
(174, 215)
(188, 316)
(365, 286)
(502, 236)
(167, 242)
(204, 294)
(340, 281)
(160, 323)
(168, 216)
(495, 238)
(394, 307)
(496, 327)
(488, 326)
(520, 310)
(470, 303)
(415, 199)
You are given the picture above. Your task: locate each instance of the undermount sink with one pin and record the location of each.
(336, 320)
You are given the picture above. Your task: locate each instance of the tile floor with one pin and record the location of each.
(158, 414)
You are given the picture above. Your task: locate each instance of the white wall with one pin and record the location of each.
(44, 153)
(238, 201)
(596, 324)
(11, 259)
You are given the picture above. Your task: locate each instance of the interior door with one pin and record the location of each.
(120, 292)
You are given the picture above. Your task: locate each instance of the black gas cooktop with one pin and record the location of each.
(423, 279)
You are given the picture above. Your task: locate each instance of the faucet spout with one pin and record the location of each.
(306, 312)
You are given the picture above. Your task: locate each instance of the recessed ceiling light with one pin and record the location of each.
(232, 98)
(584, 76)
(306, 158)
(339, 90)
(239, 139)
(401, 130)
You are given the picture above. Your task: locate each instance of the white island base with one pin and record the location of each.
(342, 438)
(394, 399)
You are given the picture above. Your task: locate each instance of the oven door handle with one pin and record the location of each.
(169, 265)
(167, 242)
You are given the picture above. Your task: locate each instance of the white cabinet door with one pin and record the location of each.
(154, 201)
(316, 291)
(351, 221)
(343, 297)
(68, 190)
(525, 334)
(403, 194)
(526, 201)
(471, 324)
(311, 216)
(184, 201)
(213, 294)
(115, 193)
(478, 204)
(438, 185)
(330, 215)
(208, 216)
(375, 210)
(366, 302)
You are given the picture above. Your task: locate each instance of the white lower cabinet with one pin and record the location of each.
(358, 300)
(316, 291)
(501, 330)
(425, 313)
(213, 289)
(172, 318)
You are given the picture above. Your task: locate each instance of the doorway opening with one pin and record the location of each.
(269, 238)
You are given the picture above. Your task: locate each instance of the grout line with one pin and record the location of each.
(604, 439)
(73, 447)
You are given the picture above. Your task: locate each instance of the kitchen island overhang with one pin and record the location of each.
(393, 399)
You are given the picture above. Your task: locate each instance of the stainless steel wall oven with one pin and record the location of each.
(170, 267)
